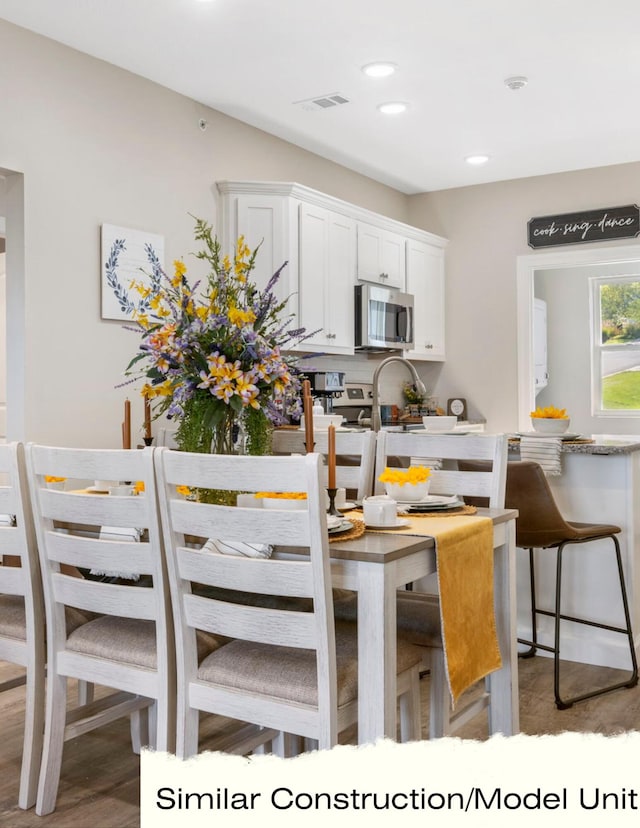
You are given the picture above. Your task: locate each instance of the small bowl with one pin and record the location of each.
(407, 492)
(550, 425)
(438, 423)
(321, 422)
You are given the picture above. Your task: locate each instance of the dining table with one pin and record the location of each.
(376, 565)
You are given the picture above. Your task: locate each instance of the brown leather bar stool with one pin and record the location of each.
(541, 526)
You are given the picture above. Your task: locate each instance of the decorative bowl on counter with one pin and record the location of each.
(550, 425)
(439, 423)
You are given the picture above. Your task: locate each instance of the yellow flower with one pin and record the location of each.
(138, 486)
(239, 317)
(550, 413)
(183, 490)
(412, 475)
(283, 495)
(50, 479)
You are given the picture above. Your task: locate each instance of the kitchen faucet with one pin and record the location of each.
(375, 408)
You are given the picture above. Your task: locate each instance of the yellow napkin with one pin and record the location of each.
(464, 552)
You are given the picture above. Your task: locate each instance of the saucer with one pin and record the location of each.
(400, 522)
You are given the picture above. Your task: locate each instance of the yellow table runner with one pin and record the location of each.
(464, 555)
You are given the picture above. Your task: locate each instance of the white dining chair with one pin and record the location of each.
(128, 646)
(419, 611)
(355, 456)
(288, 668)
(22, 629)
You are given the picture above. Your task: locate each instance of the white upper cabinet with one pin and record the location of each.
(326, 267)
(381, 256)
(425, 280)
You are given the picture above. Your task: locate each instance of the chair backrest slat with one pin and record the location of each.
(290, 578)
(101, 555)
(260, 624)
(280, 526)
(104, 598)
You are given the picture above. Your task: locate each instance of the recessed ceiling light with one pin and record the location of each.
(392, 107)
(476, 160)
(379, 69)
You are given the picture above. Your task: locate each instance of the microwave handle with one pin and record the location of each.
(402, 324)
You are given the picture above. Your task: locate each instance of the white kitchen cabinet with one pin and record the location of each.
(425, 280)
(381, 256)
(271, 221)
(326, 267)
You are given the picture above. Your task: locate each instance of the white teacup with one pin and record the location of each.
(380, 510)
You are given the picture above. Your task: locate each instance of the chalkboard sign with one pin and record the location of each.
(588, 226)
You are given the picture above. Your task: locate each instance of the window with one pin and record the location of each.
(615, 303)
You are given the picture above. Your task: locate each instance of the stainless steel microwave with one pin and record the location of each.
(384, 319)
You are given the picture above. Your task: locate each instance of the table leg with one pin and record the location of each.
(503, 684)
(376, 653)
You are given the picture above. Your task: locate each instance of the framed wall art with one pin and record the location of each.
(128, 255)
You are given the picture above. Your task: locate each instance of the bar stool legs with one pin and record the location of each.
(632, 681)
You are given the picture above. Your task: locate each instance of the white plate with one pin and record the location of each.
(566, 435)
(448, 431)
(400, 522)
(333, 522)
(346, 507)
(95, 490)
(431, 500)
(344, 526)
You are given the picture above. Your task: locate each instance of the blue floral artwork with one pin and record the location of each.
(127, 256)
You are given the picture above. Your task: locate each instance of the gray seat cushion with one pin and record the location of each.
(418, 617)
(289, 673)
(128, 640)
(12, 617)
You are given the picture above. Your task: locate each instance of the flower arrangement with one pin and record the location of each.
(412, 476)
(212, 354)
(550, 412)
(411, 394)
(48, 478)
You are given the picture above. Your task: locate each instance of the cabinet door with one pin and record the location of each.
(326, 280)
(393, 259)
(425, 280)
(269, 221)
(381, 256)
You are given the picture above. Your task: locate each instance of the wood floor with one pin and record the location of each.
(100, 774)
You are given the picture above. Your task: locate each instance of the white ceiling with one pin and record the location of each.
(254, 59)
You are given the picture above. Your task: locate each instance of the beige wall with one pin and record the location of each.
(100, 145)
(487, 230)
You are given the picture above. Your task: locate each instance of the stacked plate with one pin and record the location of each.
(431, 503)
(336, 525)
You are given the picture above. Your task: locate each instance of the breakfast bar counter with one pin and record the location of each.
(599, 482)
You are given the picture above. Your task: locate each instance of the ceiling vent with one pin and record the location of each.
(322, 102)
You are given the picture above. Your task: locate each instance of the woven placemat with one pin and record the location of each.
(355, 532)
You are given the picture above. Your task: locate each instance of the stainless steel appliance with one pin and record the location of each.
(383, 319)
(355, 403)
(326, 387)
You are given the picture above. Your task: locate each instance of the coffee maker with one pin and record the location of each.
(326, 386)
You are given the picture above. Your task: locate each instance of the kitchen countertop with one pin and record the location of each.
(603, 444)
